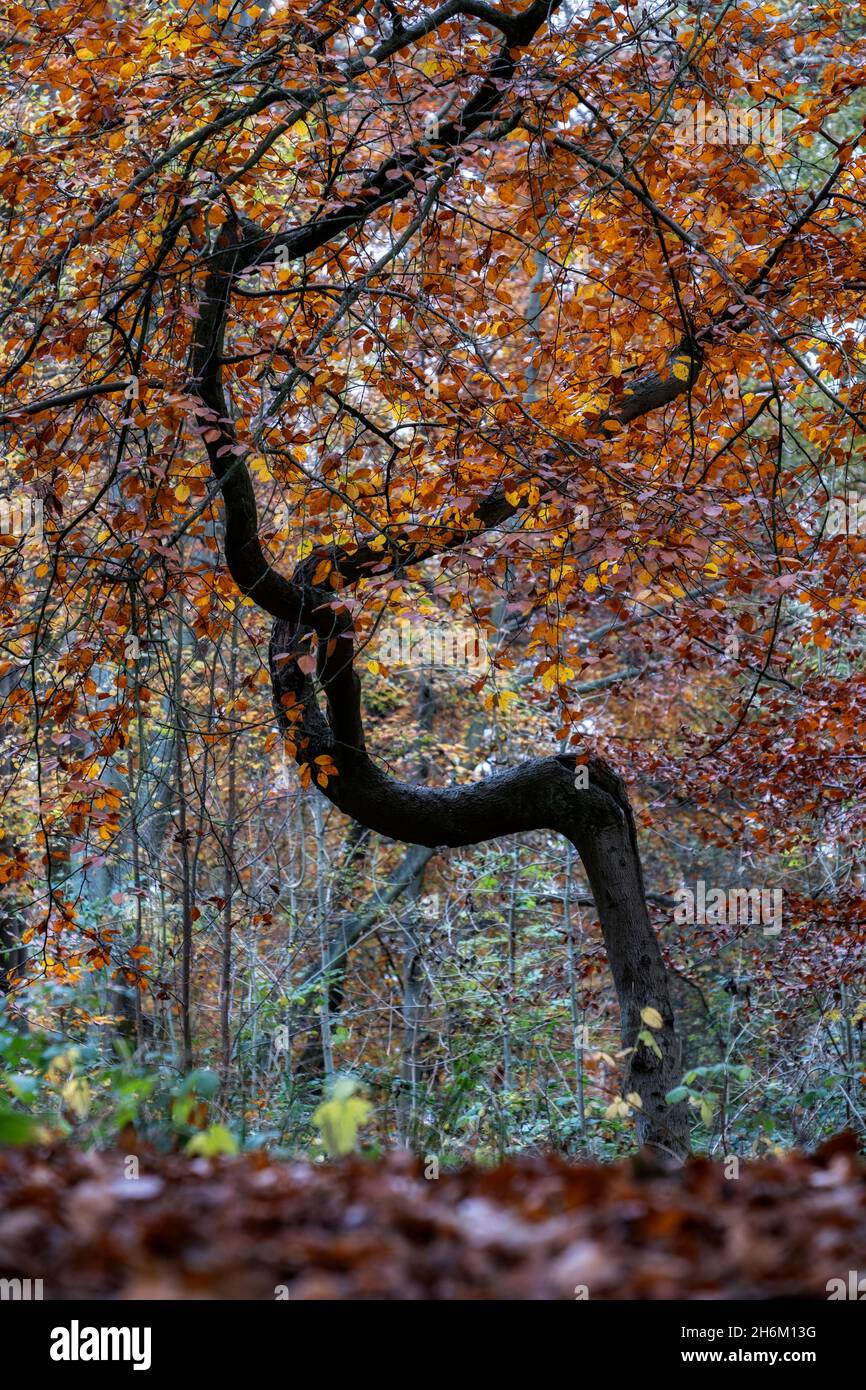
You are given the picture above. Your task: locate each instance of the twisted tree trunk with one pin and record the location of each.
(539, 795)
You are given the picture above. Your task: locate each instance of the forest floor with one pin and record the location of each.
(535, 1227)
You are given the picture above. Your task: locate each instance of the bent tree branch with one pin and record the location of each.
(321, 715)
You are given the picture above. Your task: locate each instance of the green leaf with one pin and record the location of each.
(22, 1086)
(646, 1037)
(215, 1140)
(16, 1128)
(180, 1109)
(677, 1094)
(202, 1082)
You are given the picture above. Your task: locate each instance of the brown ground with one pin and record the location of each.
(248, 1227)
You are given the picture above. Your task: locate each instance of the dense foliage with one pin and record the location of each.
(543, 358)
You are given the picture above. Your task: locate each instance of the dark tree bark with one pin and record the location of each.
(539, 795)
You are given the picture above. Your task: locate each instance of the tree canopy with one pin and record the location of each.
(330, 326)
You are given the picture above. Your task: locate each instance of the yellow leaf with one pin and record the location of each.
(555, 675)
(506, 699)
(340, 1118)
(652, 1018)
(76, 1096)
(210, 1142)
(591, 583)
(618, 1109)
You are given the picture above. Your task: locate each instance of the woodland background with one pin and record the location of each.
(196, 943)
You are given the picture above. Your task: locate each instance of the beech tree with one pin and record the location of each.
(321, 305)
